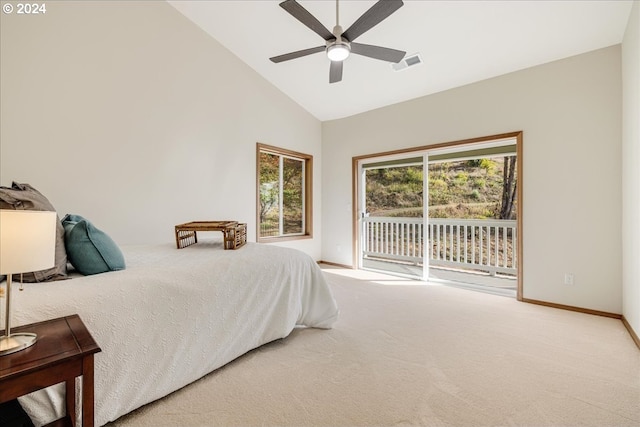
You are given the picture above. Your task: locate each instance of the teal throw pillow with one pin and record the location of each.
(90, 250)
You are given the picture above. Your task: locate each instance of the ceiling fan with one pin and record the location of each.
(340, 44)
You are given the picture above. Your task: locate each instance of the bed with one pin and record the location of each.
(173, 316)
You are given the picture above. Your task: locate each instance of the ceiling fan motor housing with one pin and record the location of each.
(338, 49)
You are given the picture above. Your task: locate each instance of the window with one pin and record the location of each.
(283, 194)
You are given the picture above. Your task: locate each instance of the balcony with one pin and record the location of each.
(475, 252)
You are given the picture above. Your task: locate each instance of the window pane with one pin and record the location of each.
(269, 192)
(284, 194)
(292, 196)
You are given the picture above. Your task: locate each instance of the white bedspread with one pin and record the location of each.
(175, 315)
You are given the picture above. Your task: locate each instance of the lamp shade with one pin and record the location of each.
(27, 241)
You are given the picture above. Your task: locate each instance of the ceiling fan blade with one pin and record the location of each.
(372, 17)
(297, 54)
(378, 52)
(335, 71)
(303, 15)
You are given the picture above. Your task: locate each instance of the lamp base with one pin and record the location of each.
(16, 342)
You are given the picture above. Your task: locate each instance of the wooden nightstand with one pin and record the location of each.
(64, 350)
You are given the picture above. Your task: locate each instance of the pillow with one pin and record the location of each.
(25, 197)
(90, 250)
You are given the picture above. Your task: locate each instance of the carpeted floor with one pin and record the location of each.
(407, 354)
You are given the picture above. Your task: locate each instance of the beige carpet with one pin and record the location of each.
(404, 354)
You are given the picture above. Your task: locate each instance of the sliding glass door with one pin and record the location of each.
(449, 214)
(392, 215)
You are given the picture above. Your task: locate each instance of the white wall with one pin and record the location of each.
(130, 115)
(570, 112)
(631, 170)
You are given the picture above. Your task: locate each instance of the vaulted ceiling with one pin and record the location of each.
(460, 42)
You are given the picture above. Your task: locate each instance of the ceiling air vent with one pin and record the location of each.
(409, 61)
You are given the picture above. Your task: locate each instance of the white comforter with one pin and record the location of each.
(175, 315)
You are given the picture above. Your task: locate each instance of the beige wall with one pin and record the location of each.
(631, 170)
(570, 112)
(130, 115)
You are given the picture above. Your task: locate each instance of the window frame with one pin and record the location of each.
(307, 160)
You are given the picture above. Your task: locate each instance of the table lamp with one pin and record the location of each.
(27, 243)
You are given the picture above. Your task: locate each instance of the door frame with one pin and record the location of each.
(355, 174)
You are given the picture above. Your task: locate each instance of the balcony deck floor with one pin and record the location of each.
(498, 285)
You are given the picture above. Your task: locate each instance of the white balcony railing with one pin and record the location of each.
(480, 245)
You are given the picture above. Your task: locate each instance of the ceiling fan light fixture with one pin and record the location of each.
(338, 51)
